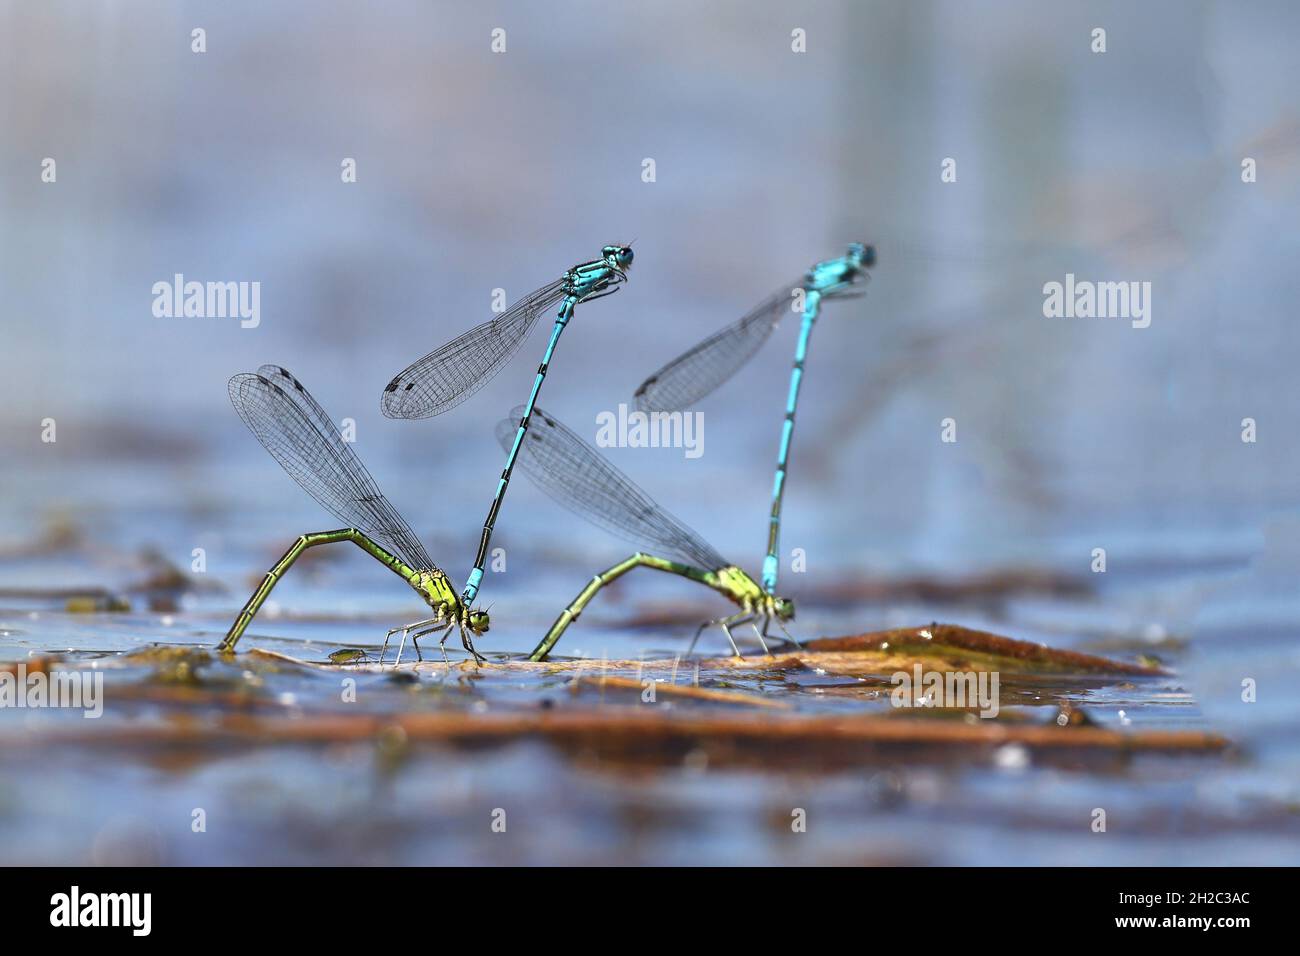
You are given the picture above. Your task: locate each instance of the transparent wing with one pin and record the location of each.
(694, 374)
(579, 478)
(447, 376)
(293, 427)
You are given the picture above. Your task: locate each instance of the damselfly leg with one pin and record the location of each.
(593, 298)
(468, 644)
(788, 636)
(405, 629)
(419, 629)
(763, 635)
(726, 623)
(442, 640)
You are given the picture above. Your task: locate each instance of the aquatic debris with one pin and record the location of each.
(750, 712)
(96, 603)
(173, 664)
(962, 642)
(657, 735)
(87, 600)
(36, 664)
(648, 690)
(1071, 716)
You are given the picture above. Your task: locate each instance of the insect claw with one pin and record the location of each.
(790, 637)
(469, 646)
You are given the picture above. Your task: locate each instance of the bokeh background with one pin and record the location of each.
(479, 171)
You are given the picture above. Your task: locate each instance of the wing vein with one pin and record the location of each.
(306, 443)
(582, 480)
(453, 372)
(695, 373)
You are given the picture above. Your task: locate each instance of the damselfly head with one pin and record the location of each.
(478, 622)
(618, 257)
(783, 608)
(864, 254)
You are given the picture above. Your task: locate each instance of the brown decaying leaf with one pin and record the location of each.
(945, 639)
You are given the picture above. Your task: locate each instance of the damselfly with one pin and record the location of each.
(447, 376)
(581, 479)
(691, 376)
(305, 441)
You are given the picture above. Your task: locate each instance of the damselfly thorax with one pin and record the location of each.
(437, 590)
(834, 276)
(737, 585)
(599, 277)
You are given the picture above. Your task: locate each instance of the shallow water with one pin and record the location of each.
(90, 797)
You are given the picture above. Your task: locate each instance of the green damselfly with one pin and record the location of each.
(447, 376)
(298, 433)
(582, 480)
(696, 373)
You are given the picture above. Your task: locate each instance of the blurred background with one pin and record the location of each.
(479, 170)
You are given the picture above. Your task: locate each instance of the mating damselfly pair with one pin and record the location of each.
(300, 435)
